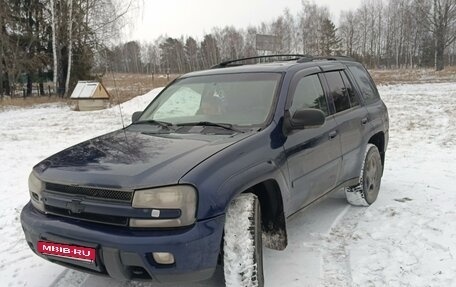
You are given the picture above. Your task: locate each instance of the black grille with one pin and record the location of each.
(106, 194)
(99, 218)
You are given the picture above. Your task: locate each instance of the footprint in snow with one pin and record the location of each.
(405, 199)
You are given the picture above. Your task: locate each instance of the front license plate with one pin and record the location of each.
(74, 252)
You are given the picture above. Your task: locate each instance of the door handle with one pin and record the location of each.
(332, 135)
(364, 121)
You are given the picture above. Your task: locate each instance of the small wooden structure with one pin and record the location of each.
(90, 96)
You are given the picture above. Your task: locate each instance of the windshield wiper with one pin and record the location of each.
(166, 125)
(212, 124)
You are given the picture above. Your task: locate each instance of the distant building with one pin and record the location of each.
(90, 96)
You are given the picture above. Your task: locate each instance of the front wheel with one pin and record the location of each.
(366, 192)
(243, 247)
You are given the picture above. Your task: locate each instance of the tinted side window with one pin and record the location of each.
(337, 91)
(365, 83)
(309, 94)
(350, 91)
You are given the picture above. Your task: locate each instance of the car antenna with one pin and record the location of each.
(117, 98)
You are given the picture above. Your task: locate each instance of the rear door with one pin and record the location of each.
(313, 154)
(352, 121)
(378, 113)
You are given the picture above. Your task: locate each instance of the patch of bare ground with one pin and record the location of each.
(413, 76)
(122, 87)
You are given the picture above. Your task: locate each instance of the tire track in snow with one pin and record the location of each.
(335, 267)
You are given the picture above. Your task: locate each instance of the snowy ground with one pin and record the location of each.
(407, 238)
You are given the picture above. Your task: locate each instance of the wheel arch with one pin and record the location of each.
(378, 140)
(268, 182)
(272, 213)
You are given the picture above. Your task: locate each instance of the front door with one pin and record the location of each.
(313, 154)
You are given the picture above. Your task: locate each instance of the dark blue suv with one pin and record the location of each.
(208, 173)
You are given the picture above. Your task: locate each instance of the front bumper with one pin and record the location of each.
(126, 254)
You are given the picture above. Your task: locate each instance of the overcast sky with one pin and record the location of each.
(197, 17)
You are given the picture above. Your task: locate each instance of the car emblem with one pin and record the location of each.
(75, 206)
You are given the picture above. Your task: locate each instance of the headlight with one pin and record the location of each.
(179, 197)
(36, 187)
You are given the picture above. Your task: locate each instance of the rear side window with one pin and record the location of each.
(338, 91)
(309, 94)
(350, 91)
(365, 83)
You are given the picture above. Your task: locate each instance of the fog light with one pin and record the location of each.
(163, 257)
(35, 196)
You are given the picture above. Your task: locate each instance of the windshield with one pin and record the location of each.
(237, 99)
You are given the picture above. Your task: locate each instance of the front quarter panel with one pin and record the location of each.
(226, 174)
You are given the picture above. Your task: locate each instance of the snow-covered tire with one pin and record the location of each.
(366, 192)
(243, 247)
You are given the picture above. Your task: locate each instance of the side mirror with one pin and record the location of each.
(305, 118)
(135, 116)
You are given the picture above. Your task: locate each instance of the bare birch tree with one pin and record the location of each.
(440, 19)
(54, 44)
(70, 45)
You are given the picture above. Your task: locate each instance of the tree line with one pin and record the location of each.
(62, 41)
(53, 41)
(381, 34)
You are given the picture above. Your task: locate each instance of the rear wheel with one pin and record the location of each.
(366, 192)
(243, 247)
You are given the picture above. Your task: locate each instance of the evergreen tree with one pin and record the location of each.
(329, 42)
(191, 54)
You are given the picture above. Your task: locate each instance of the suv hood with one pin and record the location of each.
(132, 159)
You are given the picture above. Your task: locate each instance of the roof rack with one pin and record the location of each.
(230, 63)
(299, 58)
(328, 58)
